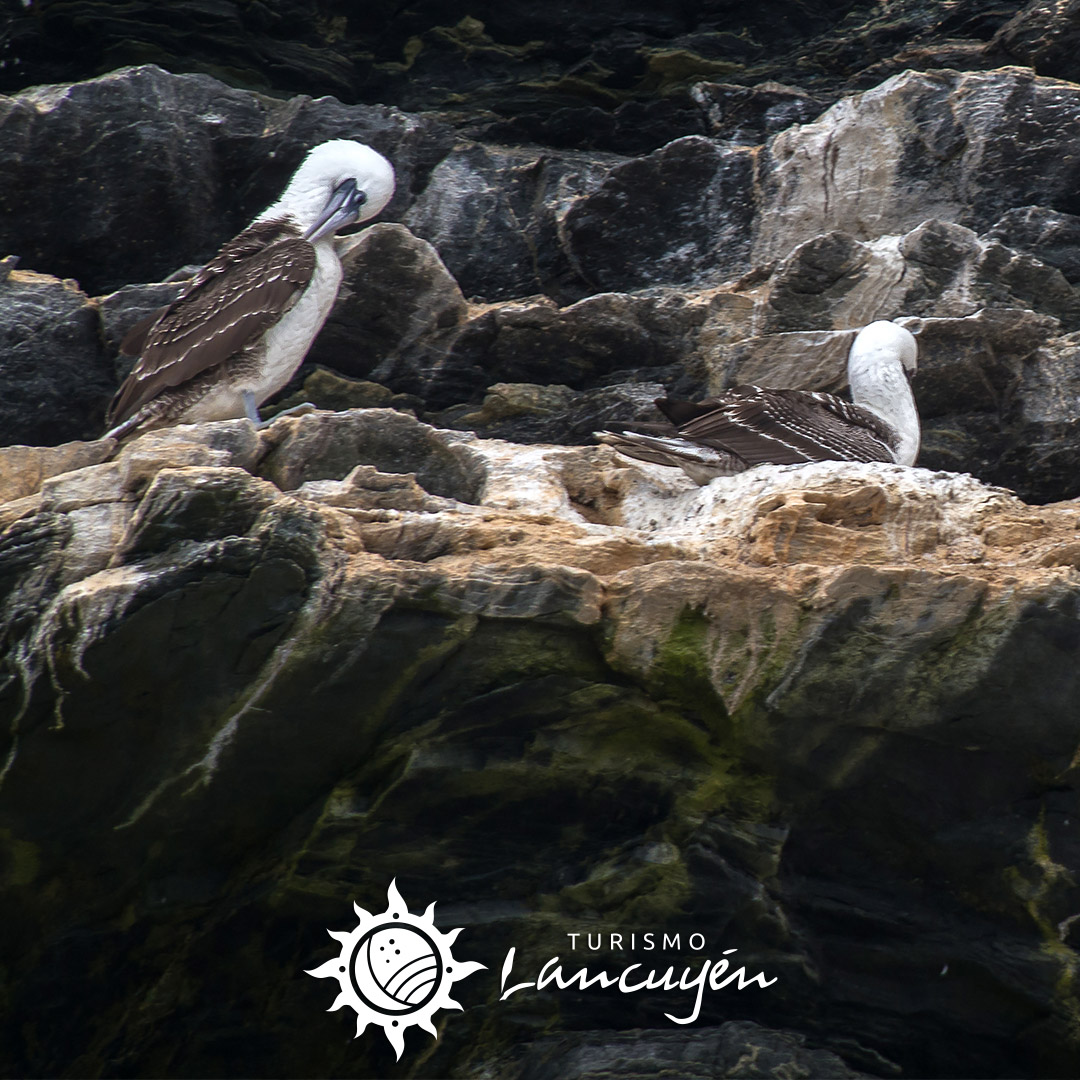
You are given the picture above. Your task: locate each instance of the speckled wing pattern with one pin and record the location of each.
(236, 297)
(783, 427)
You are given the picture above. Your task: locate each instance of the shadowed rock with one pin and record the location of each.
(288, 688)
(701, 193)
(1052, 237)
(56, 375)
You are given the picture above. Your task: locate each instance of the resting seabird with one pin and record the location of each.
(242, 326)
(752, 425)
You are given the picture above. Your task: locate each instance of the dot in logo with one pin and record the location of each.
(395, 969)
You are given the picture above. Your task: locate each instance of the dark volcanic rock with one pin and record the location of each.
(1052, 237)
(748, 115)
(526, 413)
(403, 324)
(700, 195)
(494, 215)
(164, 168)
(1043, 36)
(634, 127)
(398, 306)
(734, 1051)
(604, 75)
(579, 346)
(286, 44)
(57, 378)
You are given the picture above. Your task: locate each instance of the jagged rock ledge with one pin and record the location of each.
(592, 693)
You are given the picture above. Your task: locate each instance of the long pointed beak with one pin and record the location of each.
(341, 209)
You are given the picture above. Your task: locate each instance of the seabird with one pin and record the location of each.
(753, 425)
(243, 325)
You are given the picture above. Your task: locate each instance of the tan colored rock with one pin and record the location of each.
(801, 360)
(23, 469)
(88, 486)
(230, 442)
(366, 488)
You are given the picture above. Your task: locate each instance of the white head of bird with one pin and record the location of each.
(882, 345)
(338, 184)
(883, 360)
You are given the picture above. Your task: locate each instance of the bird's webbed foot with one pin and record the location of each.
(251, 410)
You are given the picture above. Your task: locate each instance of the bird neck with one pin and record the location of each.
(878, 383)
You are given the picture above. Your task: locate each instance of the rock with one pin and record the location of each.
(397, 306)
(995, 394)
(1042, 37)
(211, 503)
(209, 159)
(632, 127)
(799, 360)
(937, 269)
(57, 377)
(512, 640)
(919, 146)
(327, 389)
(736, 1049)
(365, 488)
(495, 216)
(918, 512)
(326, 446)
(232, 443)
(976, 364)
(527, 413)
(584, 78)
(748, 115)
(703, 195)
(278, 44)
(23, 469)
(603, 339)
(1052, 237)
(94, 505)
(836, 281)
(591, 340)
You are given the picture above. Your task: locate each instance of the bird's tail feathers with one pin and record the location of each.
(700, 463)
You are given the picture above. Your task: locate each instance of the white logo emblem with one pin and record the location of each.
(395, 969)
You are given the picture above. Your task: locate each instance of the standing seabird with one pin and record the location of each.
(752, 425)
(242, 327)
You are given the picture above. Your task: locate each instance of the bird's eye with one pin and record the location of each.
(360, 198)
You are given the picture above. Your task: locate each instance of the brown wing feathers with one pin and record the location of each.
(236, 297)
(782, 427)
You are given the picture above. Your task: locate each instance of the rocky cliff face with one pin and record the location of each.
(533, 294)
(824, 715)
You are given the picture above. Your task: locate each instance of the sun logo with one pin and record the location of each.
(395, 969)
